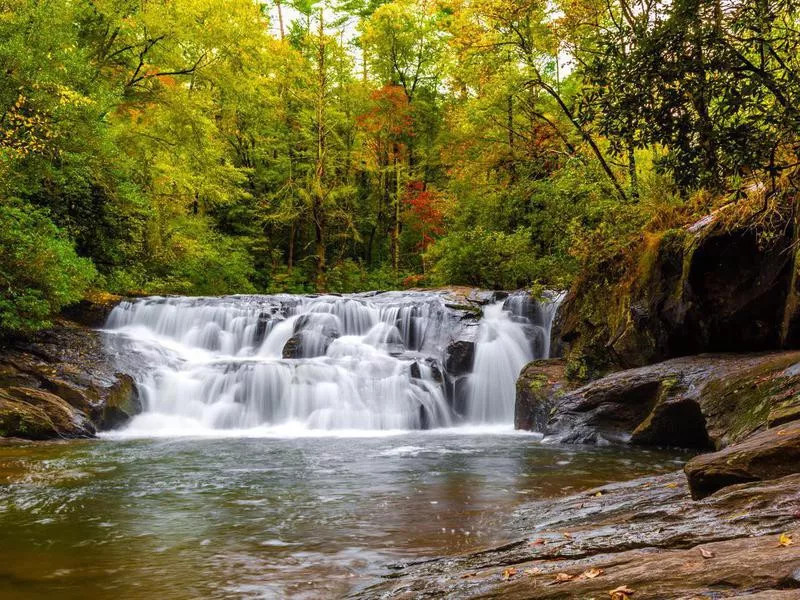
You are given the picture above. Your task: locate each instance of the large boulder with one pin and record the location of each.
(39, 415)
(767, 455)
(539, 387)
(719, 285)
(707, 401)
(66, 366)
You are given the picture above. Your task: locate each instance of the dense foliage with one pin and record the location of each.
(230, 146)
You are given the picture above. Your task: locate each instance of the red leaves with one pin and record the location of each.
(425, 212)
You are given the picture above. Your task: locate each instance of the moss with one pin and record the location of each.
(742, 404)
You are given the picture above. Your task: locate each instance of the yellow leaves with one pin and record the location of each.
(705, 553)
(532, 572)
(672, 485)
(622, 592)
(509, 573)
(785, 540)
(592, 573)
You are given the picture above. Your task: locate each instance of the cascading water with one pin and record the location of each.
(363, 361)
(511, 334)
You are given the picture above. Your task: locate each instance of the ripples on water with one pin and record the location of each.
(269, 517)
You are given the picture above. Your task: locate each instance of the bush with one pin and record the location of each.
(39, 270)
(478, 257)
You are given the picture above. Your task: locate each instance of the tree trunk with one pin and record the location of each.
(280, 19)
(318, 208)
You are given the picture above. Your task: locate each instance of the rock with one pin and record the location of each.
(767, 455)
(540, 385)
(706, 401)
(460, 357)
(38, 415)
(75, 365)
(646, 534)
(93, 310)
(713, 287)
(293, 347)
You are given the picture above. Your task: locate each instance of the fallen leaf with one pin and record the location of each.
(782, 432)
(568, 535)
(623, 592)
(598, 494)
(537, 542)
(706, 553)
(509, 573)
(592, 573)
(785, 540)
(532, 572)
(672, 485)
(562, 577)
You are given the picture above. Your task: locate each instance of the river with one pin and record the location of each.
(293, 447)
(238, 517)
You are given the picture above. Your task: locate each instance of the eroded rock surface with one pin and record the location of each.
(63, 383)
(648, 535)
(704, 402)
(766, 455)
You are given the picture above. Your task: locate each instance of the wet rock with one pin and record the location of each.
(75, 365)
(647, 534)
(39, 415)
(706, 401)
(293, 347)
(766, 455)
(460, 357)
(539, 387)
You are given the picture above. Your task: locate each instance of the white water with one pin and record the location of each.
(292, 365)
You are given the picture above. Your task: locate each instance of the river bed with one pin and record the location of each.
(271, 516)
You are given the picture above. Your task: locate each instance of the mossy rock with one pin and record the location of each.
(710, 287)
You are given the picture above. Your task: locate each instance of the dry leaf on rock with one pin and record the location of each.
(706, 553)
(562, 577)
(592, 573)
(623, 592)
(785, 540)
(509, 573)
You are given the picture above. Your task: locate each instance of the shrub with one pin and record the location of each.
(39, 270)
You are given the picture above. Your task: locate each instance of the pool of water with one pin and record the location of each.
(270, 517)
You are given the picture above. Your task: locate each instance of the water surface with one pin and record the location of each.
(270, 517)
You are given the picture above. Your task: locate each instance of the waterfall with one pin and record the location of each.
(511, 334)
(376, 361)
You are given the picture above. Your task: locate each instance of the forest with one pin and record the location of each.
(231, 146)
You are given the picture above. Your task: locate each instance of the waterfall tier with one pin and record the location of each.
(378, 361)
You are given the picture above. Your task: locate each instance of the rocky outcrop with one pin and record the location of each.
(39, 415)
(63, 383)
(768, 455)
(540, 386)
(719, 285)
(647, 535)
(707, 401)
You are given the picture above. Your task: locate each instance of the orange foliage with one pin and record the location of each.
(425, 212)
